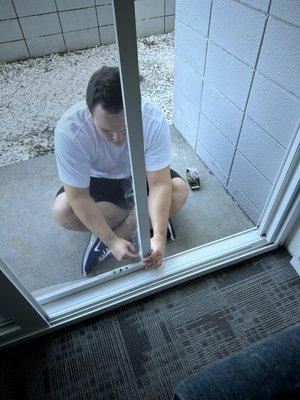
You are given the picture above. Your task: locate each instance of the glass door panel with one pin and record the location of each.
(43, 254)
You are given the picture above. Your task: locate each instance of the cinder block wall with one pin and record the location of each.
(32, 28)
(237, 88)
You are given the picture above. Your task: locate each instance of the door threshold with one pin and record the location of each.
(93, 298)
(190, 255)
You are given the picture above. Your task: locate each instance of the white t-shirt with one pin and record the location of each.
(81, 152)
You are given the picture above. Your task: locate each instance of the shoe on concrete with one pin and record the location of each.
(95, 252)
(171, 231)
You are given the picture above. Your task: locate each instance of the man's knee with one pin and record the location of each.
(62, 212)
(180, 193)
(131, 220)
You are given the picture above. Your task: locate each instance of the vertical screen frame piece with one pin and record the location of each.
(124, 17)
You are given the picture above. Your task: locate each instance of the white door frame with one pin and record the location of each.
(18, 304)
(282, 207)
(102, 293)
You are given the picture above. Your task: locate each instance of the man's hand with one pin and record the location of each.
(155, 258)
(121, 249)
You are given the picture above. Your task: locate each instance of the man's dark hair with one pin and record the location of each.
(104, 88)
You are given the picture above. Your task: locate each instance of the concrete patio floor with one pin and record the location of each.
(44, 255)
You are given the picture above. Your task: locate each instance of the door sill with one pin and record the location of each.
(99, 297)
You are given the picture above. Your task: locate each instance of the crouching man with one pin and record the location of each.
(92, 158)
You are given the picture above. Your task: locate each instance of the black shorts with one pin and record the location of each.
(116, 191)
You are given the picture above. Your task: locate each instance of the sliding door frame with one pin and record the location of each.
(18, 304)
(102, 293)
(282, 206)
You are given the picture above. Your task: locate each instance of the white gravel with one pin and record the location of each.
(36, 92)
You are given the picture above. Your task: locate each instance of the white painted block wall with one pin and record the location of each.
(237, 89)
(32, 28)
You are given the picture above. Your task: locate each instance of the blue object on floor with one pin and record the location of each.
(267, 370)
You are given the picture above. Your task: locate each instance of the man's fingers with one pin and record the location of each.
(155, 260)
(152, 257)
(132, 249)
(131, 256)
(149, 263)
(153, 265)
(158, 264)
(131, 253)
(148, 255)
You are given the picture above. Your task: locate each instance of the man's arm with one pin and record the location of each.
(159, 203)
(90, 215)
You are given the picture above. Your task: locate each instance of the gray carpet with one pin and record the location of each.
(143, 350)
